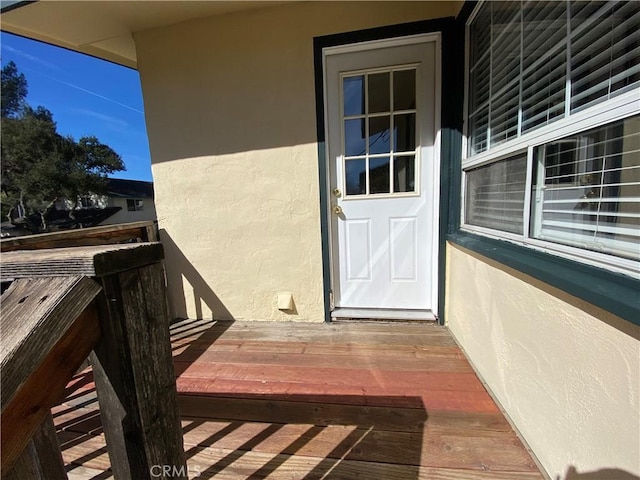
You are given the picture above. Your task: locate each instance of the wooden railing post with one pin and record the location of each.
(134, 376)
(132, 359)
(45, 441)
(41, 459)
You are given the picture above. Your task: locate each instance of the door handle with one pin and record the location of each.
(337, 209)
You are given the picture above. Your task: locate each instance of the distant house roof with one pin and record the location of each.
(86, 217)
(129, 188)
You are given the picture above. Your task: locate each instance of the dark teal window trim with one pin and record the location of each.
(614, 292)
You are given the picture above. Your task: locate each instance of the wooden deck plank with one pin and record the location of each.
(451, 449)
(342, 403)
(206, 462)
(288, 328)
(83, 473)
(80, 420)
(85, 418)
(450, 363)
(347, 338)
(243, 409)
(84, 450)
(225, 464)
(371, 377)
(393, 334)
(253, 453)
(340, 395)
(193, 344)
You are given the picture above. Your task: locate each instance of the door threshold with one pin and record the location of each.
(382, 314)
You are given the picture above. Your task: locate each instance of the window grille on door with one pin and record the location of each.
(379, 132)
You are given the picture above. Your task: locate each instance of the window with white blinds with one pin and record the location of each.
(495, 194)
(587, 190)
(605, 50)
(553, 127)
(534, 62)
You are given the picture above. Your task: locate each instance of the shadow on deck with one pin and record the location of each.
(299, 401)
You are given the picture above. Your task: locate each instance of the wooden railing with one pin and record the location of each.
(107, 234)
(62, 304)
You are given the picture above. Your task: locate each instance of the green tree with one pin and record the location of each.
(29, 151)
(40, 166)
(83, 167)
(14, 90)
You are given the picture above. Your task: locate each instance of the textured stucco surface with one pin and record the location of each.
(230, 111)
(567, 373)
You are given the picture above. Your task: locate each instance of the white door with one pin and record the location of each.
(383, 172)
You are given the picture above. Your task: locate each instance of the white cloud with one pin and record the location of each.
(114, 122)
(94, 94)
(30, 57)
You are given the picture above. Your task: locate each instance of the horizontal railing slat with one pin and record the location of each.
(107, 234)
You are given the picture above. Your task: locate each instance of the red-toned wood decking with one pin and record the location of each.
(371, 401)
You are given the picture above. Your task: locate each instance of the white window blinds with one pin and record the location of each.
(544, 63)
(534, 62)
(587, 190)
(495, 194)
(605, 46)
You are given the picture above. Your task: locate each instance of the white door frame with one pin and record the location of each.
(436, 38)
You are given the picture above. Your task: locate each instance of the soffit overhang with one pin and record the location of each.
(105, 29)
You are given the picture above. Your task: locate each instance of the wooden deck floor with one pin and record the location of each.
(372, 401)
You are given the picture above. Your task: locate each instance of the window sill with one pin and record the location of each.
(613, 292)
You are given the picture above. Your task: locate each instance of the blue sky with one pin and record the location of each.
(87, 96)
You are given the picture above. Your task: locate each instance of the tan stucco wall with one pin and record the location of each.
(567, 373)
(230, 112)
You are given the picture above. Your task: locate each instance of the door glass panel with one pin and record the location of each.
(354, 137)
(353, 94)
(379, 175)
(404, 90)
(380, 130)
(404, 132)
(404, 174)
(379, 135)
(379, 92)
(356, 173)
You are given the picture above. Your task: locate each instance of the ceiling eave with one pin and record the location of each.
(86, 49)
(105, 29)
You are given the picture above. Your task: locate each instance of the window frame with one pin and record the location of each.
(138, 204)
(367, 156)
(619, 107)
(86, 201)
